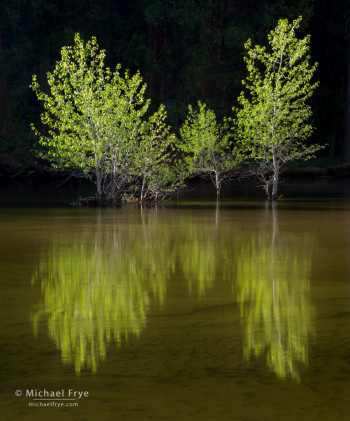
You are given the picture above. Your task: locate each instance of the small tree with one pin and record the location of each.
(207, 146)
(94, 117)
(273, 119)
(155, 166)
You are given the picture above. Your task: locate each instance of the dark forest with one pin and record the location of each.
(186, 50)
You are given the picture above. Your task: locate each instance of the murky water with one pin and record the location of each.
(183, 312)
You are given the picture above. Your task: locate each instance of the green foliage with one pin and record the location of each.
(96, 120)
(155, 166)
(185, 50)
(273, 120)
(207, 146)
(92, 114)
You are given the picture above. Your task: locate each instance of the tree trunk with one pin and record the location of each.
(275, 184)
(266, 184)
(142, 190)
(217, 186)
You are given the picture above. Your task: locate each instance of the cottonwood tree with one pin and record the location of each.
(157, 172)
(273, 120)
(206, 144)
(94, 118)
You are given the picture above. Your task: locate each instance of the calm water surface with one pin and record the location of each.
(184, 312)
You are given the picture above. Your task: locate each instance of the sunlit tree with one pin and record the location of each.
(95, 119)
(158, 174)
(207, 147)
(273, 119)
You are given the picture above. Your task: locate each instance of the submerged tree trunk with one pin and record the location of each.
(217, 186)
(276, 170)
(142, 190)
(275, 184)
(266, 185)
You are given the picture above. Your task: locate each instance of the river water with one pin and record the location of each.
(189, 311)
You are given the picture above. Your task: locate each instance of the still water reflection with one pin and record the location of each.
(273, 278)
(97, 285)
(191, 311)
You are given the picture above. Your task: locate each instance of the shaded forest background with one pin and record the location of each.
(186, 50)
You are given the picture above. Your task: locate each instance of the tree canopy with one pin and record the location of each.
(207, 146)
(273, 119)
(96, 121)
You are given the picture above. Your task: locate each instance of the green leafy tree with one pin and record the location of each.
(155, 166)
(273, 118)
(206, 144)
(95, 117)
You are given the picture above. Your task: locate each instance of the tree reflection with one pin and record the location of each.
(273, 272)
(97, 289)
(205, 252)
(99, 283)
(198, 258)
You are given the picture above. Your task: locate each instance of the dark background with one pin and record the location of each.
(186, 50)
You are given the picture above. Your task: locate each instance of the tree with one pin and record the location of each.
(206, 144)
(94, 116)
(157, 171)
(273, 118)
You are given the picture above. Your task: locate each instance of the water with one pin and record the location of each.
(189, 311)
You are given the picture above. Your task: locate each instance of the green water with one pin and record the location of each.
(181, 312)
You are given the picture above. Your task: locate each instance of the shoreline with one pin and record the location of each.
(329, 171)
